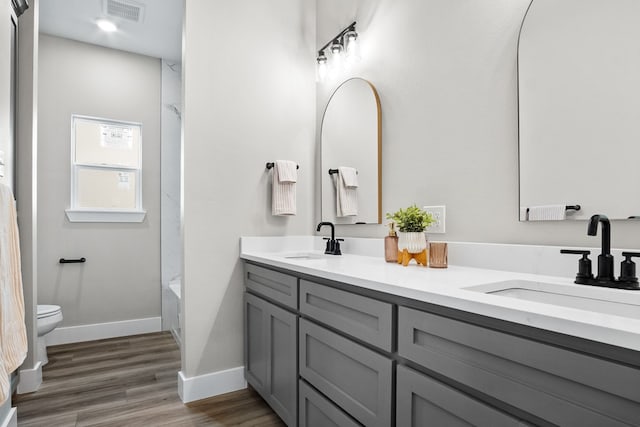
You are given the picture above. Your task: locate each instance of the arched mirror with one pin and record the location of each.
(351, 155)
(579, 106)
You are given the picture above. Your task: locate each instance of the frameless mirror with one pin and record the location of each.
(351, 139)
(579, 107)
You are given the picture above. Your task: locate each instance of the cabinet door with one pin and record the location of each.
(423, 401)
(271, 355)
(356, 378)
(255, 344)
(282, 368)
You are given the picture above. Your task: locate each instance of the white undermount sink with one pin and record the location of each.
(616, 302)
(304, 255)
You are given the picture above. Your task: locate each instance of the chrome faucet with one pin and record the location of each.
(333, 244)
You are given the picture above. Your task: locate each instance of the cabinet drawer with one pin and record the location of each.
(357, 379)
(557, 385)
(277, 286)
(423, 401)
(365, 318)
(317, 411)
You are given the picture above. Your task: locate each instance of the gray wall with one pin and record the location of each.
(446, 74)
(249, 94)
(27, 169)
(121, 278)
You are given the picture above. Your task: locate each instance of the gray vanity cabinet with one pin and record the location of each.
(271, 355)
(423, 401)
(330, 354)
(559, 386)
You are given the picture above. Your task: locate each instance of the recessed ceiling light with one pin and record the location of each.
(106, 25)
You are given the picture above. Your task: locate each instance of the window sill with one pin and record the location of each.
(94, 215)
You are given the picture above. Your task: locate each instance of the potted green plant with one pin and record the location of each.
(411, 223)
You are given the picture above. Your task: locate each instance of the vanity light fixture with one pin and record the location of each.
(343, 44)
(106, 25)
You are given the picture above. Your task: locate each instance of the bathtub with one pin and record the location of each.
(174, 313)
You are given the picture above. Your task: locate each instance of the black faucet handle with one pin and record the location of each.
(584, 265)
(574, 251)
(628, 268)
(336, 247)
(330, 246)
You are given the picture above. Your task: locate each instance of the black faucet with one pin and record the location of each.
(605, 259)
(333, 244)
(605, 277)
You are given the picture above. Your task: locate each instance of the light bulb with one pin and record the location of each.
(322, 66)
(336, 47)
(352, 46)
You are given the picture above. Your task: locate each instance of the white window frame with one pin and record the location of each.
(79, 214)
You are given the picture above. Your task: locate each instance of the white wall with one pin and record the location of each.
(446, 74)
(27, 169)
(249, 91)
(121, 278)
(171, 144)
(5, 88)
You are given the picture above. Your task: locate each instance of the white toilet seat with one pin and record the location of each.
(45, 311)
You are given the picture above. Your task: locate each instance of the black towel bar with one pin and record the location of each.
(335, 171)
(72, 261)
(568, 208)
(270, 165)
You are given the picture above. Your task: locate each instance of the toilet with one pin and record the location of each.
(49, 317)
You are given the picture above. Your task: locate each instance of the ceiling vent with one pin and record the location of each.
(125, 9)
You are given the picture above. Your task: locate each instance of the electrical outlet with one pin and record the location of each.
(438, 213)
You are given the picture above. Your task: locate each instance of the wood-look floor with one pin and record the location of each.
(129, 381)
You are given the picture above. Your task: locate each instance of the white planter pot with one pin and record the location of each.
(413, 242)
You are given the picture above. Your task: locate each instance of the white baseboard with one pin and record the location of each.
(29, 380)
(11, 419)
(98, 331)
(209, 385)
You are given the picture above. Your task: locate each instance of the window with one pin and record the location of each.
(106, 171)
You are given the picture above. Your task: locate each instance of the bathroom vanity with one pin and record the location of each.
(351, 340)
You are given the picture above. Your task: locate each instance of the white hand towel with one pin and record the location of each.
(547, 213)
(287, 170)
(524, 213)
(349, 176)
(347, 192)
(13, 332)
(283, 192)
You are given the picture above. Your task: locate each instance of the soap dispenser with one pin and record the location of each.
(391, 244)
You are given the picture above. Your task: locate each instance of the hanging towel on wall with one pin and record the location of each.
(13, 332)
(548, 213)
(285, 176)
(524, 213)
(347, 192)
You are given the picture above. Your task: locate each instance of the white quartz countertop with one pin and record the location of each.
(446, 287)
